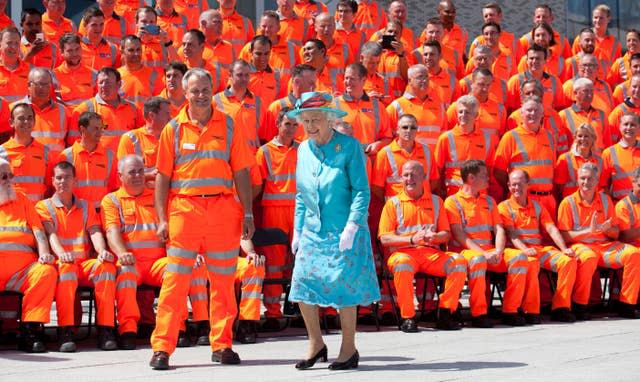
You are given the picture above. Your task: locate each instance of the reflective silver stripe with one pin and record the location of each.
(67, 276)
(143, 244)
(517, 271)
(113, 133)
(52, 212)
(104, 276)
(477, 274)
(395, 174)
(632, 214)
(191, 183)
(17, 279)
(127, 269)
(177, 268)
(182, 253)
(135, 142)
(29, 179)
(15, 247)
(457, 269)
(574, 213)
(279, 196)
(403, 268)
(198, 281)
(219, 103)
(271, 300)
(139, 227)
(91, 183)
(73, 241)
(223, 255)
(252, 281)
(229, 270)
(126, 284)
(15, 229)
(116, 202)
(251, 295)
(199, 297)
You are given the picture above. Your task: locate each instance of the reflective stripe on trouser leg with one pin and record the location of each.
(250, 278)
(515, 263)
(587, 262)
(128, 312)
(199, 294)
(275, 261)
(476, 269)
(38, 291)
(627, 257)
(403, 268)
(66, 293)
(531, 300)
(456, 270)
(102, 276)
(565, 266)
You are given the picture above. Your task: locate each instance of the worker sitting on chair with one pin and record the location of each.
(412, 226)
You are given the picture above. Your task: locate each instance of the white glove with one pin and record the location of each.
(295, 240)
(347, 236)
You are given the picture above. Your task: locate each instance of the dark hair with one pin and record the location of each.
(348, 3)
(433, 43)
(129, 38)
(29, 12)
(64, 165)
(177, 65)
(68, 38)
(491, 24)
(549, 30)
(471, 167)
(359, 68)
(22, 104)
(238, 62)
(85, 118)
(109, 70)
(484, 71)
(319, 44)
(544, 6)
(198, 34)
(537, 48)
(634, 31)
(635, 56)
(260, 39)
(272, 14)
(299, 69)
(493, 5)
(89, 13)
(146, 9)
(434, 21)
(281, 114)
(153, 105)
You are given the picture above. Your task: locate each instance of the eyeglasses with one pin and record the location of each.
(409, 127)
(6, 175)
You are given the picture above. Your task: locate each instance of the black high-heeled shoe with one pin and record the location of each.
(351, 363)
(307, 363)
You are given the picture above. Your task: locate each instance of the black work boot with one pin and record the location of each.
(581, 312)
(106, 338)
(446, 321)
(203, 333)
(246, 332)
(31, 338)
(65, 340)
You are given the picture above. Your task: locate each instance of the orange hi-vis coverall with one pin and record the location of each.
(277, 164)
(135, 218)
(535, 153)
(572, 118)
(618, 165)
(191, 9)
(14, 83)
(602, 95)
(552, 86)
(478, 217)
(72, 227)
(117, 120)
(492, 116)
(430, 113)
(454, 147)
(405, 216)
(370, 17)
(53, 30)
(74, 85)
(269, 84)
(526, 222)
(497, 91)
(20, 270)
(628, 215)
(269, 129)
(141, 143)
(96, 171)
(284, 55)
(596, 249)
(104, 54)
(205, 217)
(620, 71)
(48, 57)
(551, 122)
(51, 125)
(367, 116)
(237, 29)
(295, 29)
(31, 166)
(250, 279)
(625, 107)
(115, 28)
(388, 166)
(248, 113)
(140, 85)
(566, 171)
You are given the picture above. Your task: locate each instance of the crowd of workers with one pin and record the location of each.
(118, 170)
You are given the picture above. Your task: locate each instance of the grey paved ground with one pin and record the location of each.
(607, 349)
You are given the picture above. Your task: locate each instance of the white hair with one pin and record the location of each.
(581, 83)
(198, 73)
(125, 160)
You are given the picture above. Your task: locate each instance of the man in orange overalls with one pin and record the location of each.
(203, 179)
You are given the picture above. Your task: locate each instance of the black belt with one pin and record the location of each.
(541, 193)
(208, 195)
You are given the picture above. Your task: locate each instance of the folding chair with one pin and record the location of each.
(7, 312)
(611, 282)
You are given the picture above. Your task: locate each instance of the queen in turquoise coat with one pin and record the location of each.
(333, 259)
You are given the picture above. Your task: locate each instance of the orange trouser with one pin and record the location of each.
(515, 264)
(614, 255)
(250, 278)
(276, 256)
(406, 263)
(555, 261)
(36, 282)
(151, 273)
(211, 226)
(91, 273)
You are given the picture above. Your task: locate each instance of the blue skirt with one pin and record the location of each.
(324, 276)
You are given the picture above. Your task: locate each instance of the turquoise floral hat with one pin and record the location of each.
(315, 101)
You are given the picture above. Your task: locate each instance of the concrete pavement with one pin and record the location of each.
(605, 349)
